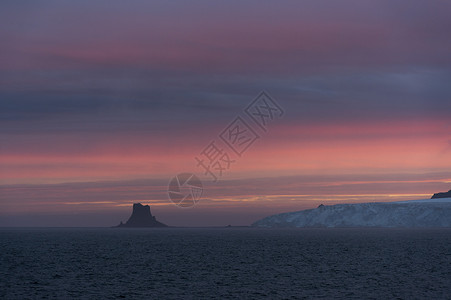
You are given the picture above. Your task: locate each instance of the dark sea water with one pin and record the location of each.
(225, 263)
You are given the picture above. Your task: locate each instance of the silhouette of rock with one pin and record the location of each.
(442, 195)
(141, 217)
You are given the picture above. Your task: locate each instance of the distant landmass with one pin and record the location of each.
(141, 217)
(442, 195)
(435, 212)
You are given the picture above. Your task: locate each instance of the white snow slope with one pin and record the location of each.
(414, 213)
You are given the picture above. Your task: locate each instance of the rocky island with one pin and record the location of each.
(141, 217)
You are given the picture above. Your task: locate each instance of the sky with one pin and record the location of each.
(103, 102)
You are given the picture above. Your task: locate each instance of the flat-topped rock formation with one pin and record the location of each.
(141, 217)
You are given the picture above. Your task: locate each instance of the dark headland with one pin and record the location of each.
(442, 195)
(141, 217)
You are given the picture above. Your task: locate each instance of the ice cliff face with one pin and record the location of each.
(417, 213)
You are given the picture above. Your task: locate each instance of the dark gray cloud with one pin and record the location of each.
(112, 64)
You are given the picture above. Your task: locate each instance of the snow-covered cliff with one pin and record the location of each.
(415, 213)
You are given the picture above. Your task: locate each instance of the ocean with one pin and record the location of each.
(224, 263)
